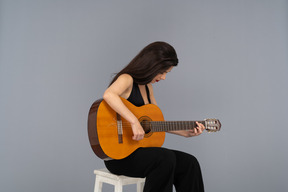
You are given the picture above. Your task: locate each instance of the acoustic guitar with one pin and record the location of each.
(110, 135)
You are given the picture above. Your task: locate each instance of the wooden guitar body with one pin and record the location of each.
(105, 136)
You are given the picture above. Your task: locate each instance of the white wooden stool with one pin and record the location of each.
(104, 176)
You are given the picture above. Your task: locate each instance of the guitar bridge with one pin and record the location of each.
(119, 129)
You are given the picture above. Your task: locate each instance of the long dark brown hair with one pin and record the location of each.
(155, 58)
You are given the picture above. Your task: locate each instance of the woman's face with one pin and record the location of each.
(161, 76)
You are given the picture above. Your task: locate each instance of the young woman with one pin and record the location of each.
(162, 167)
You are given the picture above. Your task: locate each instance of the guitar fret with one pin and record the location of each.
(170, 126)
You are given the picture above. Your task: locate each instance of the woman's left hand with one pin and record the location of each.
(196, 131)
(191, 132)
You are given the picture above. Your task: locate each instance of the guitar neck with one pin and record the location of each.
(164, 126)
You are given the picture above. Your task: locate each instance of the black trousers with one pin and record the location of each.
(162, 168)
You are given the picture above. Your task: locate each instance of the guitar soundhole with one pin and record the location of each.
(145, 123)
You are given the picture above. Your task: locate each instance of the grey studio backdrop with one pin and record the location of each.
(57, 58)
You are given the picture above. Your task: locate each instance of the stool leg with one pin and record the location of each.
(140, 186)
(98, 185)
(118, 187)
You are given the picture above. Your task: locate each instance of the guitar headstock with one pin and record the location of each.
(212, 125)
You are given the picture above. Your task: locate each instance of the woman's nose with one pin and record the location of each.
(163, 77)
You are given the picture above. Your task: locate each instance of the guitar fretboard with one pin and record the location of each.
(162, 126)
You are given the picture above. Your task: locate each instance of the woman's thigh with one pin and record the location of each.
(142, 162)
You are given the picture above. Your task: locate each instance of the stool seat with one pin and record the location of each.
(104, 176)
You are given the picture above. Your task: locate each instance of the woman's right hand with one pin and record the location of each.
(138, 132)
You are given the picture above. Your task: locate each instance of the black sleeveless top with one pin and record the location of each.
(135, 96)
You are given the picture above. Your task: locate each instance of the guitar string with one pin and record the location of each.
(164, 126)
(158, 123)
(163, 123)
(176, 125)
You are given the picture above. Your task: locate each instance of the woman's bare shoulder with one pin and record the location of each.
(125, 77)
(122, 86)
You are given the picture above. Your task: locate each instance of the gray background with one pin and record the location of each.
(57, 57)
